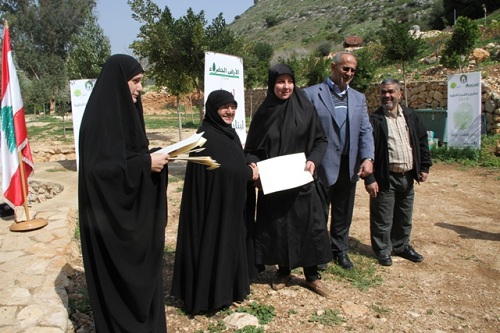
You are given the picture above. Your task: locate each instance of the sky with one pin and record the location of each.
(115, 16)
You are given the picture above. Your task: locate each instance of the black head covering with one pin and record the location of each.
(290, 219)
(122, 206)
(282, 127)
(111, 103)
(215, 100)
(210, 269)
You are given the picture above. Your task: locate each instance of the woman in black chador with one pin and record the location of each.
(210, 270)
(290, 229)
(122, 205)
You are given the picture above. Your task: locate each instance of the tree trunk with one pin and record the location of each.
(52, 105)
(251, 103)
(64, 125)
(191, 108)
(200, 105)
(404, 81)
(179, 117)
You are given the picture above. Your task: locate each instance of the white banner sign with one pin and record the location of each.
(464, 110)
(80, 93)
(223, 71)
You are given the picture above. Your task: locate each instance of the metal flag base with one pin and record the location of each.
(28, 225)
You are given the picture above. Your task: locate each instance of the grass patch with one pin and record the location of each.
(219, 327)
(167, 121)
(250, 329)
(76, 233)
(49, 127)
(169, 249)
(265, 313)
(327, 317)
(173, 179)
(363, 277)
(380, 309)
(81, 304)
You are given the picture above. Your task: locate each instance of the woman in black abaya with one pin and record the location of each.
(210, 270)
(291, 229)
(122, 205)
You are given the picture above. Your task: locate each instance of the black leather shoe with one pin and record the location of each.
(344, 261)
(384, 260)
(410, 254)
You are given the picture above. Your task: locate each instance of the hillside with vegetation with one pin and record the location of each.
(297, 29)
(301, 26)
(301, 32)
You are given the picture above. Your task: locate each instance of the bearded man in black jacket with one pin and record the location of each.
(401, 157)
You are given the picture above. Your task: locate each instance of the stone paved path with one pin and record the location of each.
(35, 265)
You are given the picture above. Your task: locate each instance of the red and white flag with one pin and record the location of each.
(14, 144)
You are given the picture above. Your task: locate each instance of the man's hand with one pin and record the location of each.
(422, 177)
(372, 189)
(366, 168)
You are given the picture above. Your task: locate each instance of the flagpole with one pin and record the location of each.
(29, 224)
(23, 185)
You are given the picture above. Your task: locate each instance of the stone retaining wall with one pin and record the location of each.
(421, 95)
(50, 154)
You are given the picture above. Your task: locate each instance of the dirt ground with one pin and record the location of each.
(455, 289)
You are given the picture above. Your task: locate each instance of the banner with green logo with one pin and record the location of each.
(464, 110)
(224, 71)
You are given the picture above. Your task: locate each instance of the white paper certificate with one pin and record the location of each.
(184, 146)
(283, 173)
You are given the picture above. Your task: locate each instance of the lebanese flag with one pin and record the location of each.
(13, 135)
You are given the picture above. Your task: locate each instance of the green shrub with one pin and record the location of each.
(465, 35)
(484, 157)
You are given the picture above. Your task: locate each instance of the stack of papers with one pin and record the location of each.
(180, 151)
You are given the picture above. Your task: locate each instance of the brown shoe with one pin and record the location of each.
(319, 287)
(280, 282)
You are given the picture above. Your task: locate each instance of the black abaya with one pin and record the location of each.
(122, 207)
(210, 270)
(290, 228)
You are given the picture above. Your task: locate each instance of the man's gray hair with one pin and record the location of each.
(337, 58)
(390, 80)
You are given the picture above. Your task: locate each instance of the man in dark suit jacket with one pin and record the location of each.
(344, 115)
(402, 157)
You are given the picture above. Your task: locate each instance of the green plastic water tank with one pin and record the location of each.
(435, 120)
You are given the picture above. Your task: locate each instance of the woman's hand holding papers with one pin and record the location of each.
(255, 171)
(158, 161)
(311, 167)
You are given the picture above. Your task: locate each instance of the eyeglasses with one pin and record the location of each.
(347, 69)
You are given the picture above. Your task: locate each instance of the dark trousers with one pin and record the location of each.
(311, 273)
(342, 195)
(391, 215)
